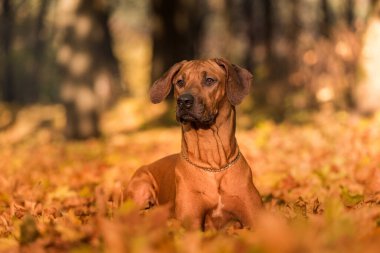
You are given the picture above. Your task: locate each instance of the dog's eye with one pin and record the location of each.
(210, 81)
(180, 83)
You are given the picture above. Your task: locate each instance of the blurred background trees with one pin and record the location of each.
(306, 55)
(88, 68)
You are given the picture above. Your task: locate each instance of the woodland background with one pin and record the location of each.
(75, 120)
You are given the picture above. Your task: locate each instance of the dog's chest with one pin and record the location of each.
(219, 217)
(217, 211)
(218, 200)
(218, 205)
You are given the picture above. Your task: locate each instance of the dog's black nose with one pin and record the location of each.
(185, 101)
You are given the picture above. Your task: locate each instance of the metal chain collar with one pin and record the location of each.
(211, 169)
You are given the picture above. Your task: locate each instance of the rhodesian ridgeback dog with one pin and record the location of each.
(209, 183)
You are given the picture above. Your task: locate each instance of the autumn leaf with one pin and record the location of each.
(350, 199)
(318, 182)
(28, 230)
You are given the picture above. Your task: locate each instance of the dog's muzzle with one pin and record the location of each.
(190, 110)
(185, 103)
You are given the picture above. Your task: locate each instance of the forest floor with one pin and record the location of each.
(320, 183)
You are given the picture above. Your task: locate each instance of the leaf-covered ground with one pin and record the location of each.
(320, 183)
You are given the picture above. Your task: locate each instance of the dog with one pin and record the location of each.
(208, 185)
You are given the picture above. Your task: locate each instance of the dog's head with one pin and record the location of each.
(200, 86)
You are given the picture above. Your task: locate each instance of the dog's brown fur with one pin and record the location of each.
(201, 198)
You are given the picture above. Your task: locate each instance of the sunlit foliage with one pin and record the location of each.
(320, 183)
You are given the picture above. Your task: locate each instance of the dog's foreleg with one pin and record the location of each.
(142, 189)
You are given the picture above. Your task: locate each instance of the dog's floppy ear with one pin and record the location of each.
(238, 81)
(161, 87)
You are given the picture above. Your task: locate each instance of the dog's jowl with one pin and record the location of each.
(209, 183)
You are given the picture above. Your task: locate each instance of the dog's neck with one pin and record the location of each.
(215, 146)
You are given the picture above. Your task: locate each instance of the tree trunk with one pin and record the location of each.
(327, 18)
(32, 90)
(350, 16)
(7, 18)
(296, 24)
(368, 90)
(249, 20)
(87, 63)
(177, 28)
(268, 24)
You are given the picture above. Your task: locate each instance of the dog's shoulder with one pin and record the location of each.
(166, 161)
(163, 166)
